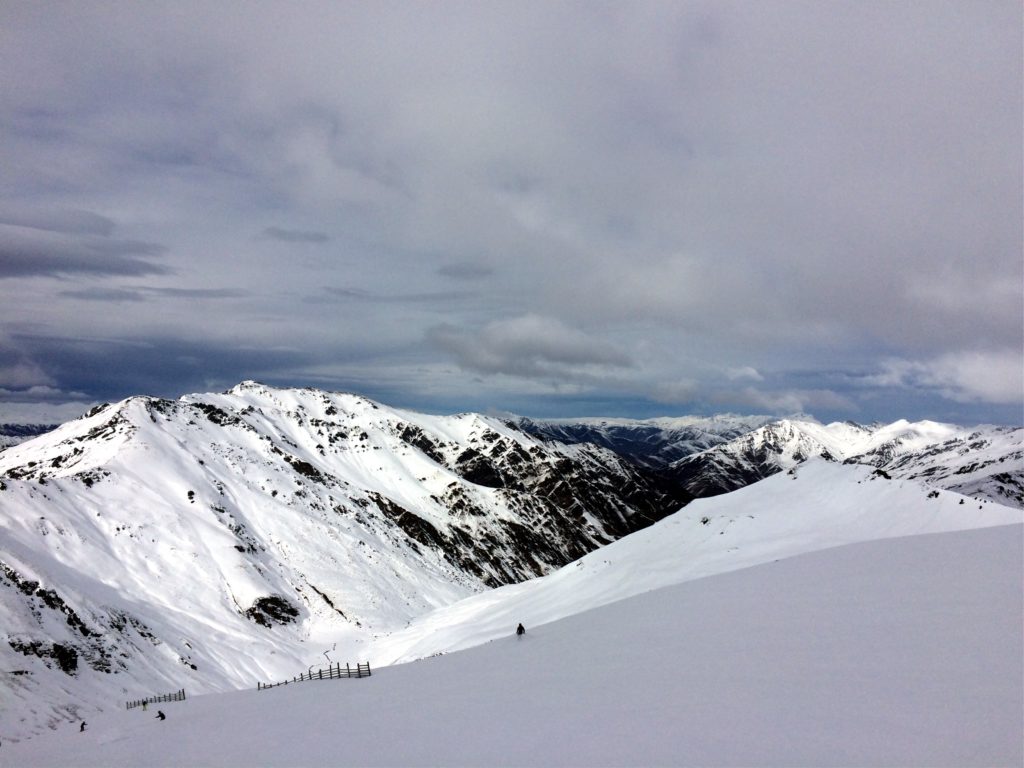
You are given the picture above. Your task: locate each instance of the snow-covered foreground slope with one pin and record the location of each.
(903, 652)
(819, 505)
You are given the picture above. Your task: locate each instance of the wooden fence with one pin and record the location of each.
(331, 672)
(176, 696)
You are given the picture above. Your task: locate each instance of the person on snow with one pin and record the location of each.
(160, 715)
(520, 630)
(144, 706)
(81, 728)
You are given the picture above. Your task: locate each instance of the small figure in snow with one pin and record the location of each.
(143, 706)
(81, 728)
(520, 630)
(160, 715)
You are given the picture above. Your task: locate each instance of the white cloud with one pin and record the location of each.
(789, 401)
(969, 376)
(744, 372)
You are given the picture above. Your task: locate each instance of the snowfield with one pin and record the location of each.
(900, 652)
(818, 505)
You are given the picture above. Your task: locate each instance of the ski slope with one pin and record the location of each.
(898, 652)
(819, 505)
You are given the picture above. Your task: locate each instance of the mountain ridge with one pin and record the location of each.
(985, 462)
(148, 537)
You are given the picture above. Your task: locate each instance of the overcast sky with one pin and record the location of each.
(546, 208)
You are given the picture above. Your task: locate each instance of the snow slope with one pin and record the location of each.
(902, 652)
(820, 505)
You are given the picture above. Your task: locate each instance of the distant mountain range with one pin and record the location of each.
(219, 539)
(12, 434)
(706, 457)
(652, 443)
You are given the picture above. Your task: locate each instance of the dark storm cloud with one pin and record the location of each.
(26, 252)
(141, 294)
(67, 221)
(110, 369)
(104, 294)
(295, 235)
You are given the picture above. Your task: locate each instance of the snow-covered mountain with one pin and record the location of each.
(654, 443)
(205, 542)
(985, 462)
(697, 456)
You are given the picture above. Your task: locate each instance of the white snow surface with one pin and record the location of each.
(819, 505)
(902, 652)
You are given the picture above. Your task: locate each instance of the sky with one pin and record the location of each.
(547, 208)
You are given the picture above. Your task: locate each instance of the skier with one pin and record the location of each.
(144, 706)
(160, 715)
(520, 630)
(81, 728)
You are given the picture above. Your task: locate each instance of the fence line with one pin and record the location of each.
(176, 696)
(331, 672)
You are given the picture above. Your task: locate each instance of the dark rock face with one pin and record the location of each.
(48, 597)
(77, 641)
(272, 611)
(478, 469)
(416, 437)
(64, 656)
(565, 506)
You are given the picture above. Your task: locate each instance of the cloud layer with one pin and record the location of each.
(543, 207)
